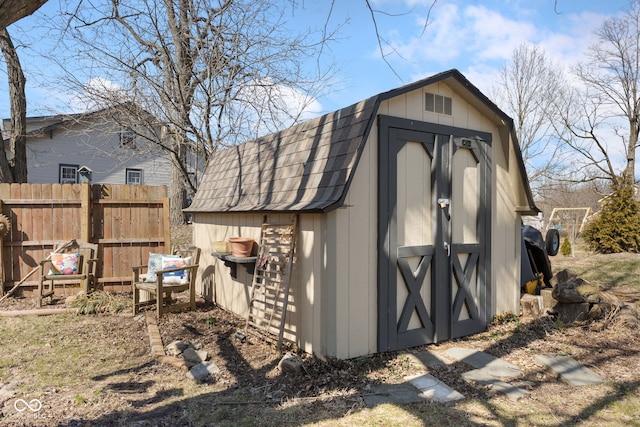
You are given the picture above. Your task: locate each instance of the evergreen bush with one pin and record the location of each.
(565, 248)
(616, 228)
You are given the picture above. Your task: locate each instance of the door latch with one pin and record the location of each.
(447, 247)
(444, 203)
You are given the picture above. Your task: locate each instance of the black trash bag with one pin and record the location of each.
(535, 259)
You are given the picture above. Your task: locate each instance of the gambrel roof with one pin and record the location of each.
(308, 167)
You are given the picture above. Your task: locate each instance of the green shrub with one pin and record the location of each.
(616, 228)
(565, 248)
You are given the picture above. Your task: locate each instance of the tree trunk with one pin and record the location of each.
(178, 193)
(13, 10)
(17, 81)
(630, 172)
(5, 170)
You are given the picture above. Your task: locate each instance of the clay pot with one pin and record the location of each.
(241, 246)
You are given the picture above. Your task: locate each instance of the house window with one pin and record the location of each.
(438, 104)
(134, 176)
(68, 174)
(127, 138)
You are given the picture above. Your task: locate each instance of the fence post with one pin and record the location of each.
(85, 212)
(167, 222)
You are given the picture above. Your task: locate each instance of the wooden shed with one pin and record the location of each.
(409, 209)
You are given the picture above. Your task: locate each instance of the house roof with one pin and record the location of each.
(308, 167)
(58, 121)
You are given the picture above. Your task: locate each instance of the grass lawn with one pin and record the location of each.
(614, 270)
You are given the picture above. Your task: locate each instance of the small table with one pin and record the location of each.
(232, 262)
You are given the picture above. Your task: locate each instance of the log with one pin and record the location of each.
(36, 312)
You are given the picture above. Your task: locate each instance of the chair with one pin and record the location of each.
(75, 263)
(164, 283)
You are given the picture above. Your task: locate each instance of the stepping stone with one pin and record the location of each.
(569, 371)
(434, 389)
(203, 371)
(494, 366)
(427, 359)
(481, 376)
(392, 393)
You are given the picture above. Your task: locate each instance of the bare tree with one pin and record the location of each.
(14, 170)
(213, 73)
(528, 84)
(603, 121)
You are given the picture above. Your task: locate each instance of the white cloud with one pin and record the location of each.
(438, 44)
(493, 36)
(568, 47)
(97, 93)
(478, 40)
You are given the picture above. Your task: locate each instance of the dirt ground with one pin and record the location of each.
(251, 390)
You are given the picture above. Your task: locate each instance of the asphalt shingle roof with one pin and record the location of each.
(303, 168)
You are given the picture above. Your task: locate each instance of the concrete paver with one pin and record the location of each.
(569, 370)
(392, 393)
(495, 367)
(481, 376)
(434, 389)
(490, 371)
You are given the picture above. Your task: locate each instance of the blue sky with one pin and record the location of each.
(474, 36)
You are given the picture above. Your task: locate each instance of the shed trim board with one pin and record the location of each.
(439, 265)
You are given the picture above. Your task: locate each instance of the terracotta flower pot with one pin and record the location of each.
(241, 246)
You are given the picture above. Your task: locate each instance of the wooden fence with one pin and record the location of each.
(126, 221)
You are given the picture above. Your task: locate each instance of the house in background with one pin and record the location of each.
(409, 208)
(106, 143)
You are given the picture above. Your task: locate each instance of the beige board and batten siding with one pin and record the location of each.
(354, 228)
(333, 285)
(232, 293)
(216, 283)
(354, 322)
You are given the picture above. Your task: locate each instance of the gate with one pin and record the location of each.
(434, 227)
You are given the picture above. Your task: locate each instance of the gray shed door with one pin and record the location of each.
(434, 218)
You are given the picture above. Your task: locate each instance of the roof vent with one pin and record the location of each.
(438, 104)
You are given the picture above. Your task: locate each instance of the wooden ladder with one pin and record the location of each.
(270, 286)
